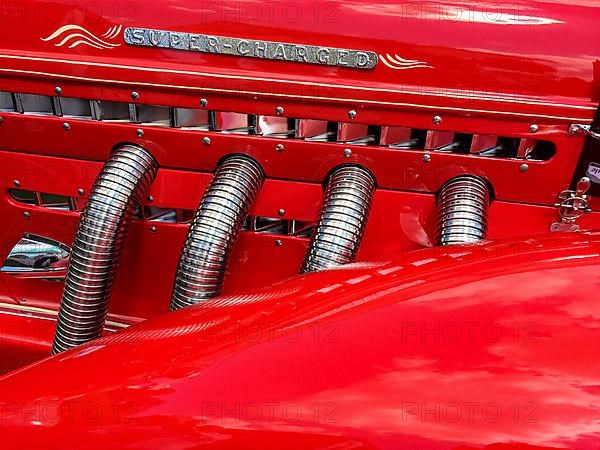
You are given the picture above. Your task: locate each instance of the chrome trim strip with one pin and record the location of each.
(28, 310)
(470, 96)
(39, 255)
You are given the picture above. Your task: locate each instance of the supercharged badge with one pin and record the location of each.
(311, 54)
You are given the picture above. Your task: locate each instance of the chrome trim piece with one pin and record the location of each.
(38, 255)
(214, 230)
(572, 204)
(47, 314)
(251, 48)
(116, 193)
(586, 130)
(343, 219)
(463, 207)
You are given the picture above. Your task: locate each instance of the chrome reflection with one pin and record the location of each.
(343, 219)
(116, 194)
(214, 230)
(37, 254)
(463, 206)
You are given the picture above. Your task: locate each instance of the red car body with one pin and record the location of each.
(416, 346)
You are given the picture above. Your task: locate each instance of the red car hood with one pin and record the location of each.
(535, 58)
(490, 346)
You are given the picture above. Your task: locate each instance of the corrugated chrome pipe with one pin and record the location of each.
(214, 230)
(117, 192)
(463, 209)
(343, 219)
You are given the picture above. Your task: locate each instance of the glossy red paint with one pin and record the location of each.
(363, 353)
(499, 338)
(519, 75)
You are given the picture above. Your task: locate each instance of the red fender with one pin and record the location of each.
(488, 346)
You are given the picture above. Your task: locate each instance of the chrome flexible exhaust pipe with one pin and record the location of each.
(343, 219)
(463, 209)
(214, 230)
(96, 251)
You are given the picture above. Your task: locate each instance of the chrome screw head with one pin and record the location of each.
(534, 128)
(135, 95)
(426, 158)
(139, 132)
(278, 242)
(66, 126)
(203, 102)
(352, 114)
(80, 192)
(281, 212)
(26, 214)
(347, 153)
(206, 140)
(524, 167)
(150, 198)
(57, 90)
(152, 229)
(436, 120)
(17, 183)
(279, 110)
(279, 148)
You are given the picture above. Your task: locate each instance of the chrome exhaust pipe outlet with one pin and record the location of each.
(343, 219)
(117, 192)
(463, 209)
(214, 230)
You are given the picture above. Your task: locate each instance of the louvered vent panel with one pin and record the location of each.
(312, 130)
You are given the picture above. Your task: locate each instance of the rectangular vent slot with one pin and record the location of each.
(282, 227)
(26, 197)
(191, 118)
(307, 128)
(110, 111)
(231, 122)
(45, 200)
(58, 202)
(167, 215)
(352, 132)
(275, 126)
(150, 115)
(73, 107)
(329, 134)
(34, 104)
(7, 102)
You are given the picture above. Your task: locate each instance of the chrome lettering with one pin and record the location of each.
(301, 53)
(323, 55)
(362, 59)
(213, 44)
(243, 47)
(260, 48)
(279, 52)
(282, 51)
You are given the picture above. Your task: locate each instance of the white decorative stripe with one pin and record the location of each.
(68, 34)
(397, 63)
(495, 98)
